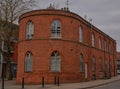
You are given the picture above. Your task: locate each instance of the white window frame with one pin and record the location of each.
(56, 29)
(100, 43)
(28, 62)
(30, 30)
(80, 34)
(93, 40)
(55, 62)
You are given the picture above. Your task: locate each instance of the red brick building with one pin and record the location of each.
(61, 43)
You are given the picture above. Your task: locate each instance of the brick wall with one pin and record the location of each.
(69, 47)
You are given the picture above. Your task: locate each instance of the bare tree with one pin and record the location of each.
(10, 10)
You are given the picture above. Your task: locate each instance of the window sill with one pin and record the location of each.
(55, 71)
(30, 39)
(93, 46)
(55, 37)
(28, 72)
(81, 71)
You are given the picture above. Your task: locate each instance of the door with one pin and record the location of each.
(86, 70)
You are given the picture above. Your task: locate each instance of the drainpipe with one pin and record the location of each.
(104, 60)
(109, 60)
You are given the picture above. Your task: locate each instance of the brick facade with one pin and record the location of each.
(69, 47)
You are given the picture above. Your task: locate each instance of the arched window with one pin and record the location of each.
(81, 62)
(30, 30)
(101, 66)
(105, 45)
(93, 64)
(109, 47)
(100, 43)
(55, 65)
(80, 35)
(56, 29)
(28, 62)
(93, 40)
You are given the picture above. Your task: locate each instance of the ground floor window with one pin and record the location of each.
(101, 66)
(28, 62)
(81, 63)
(93, 64)
(55, 62)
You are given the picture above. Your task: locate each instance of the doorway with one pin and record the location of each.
(86, 70)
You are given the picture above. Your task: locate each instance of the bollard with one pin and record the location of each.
(22, 83)
(58, 81)
(42, 81)
(55, 80)
(3, 83)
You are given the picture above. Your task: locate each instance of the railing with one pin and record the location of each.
(56, 82)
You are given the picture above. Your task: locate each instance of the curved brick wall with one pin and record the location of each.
(69, 47)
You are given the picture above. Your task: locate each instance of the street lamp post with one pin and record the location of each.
(1, 68)
(2, 47)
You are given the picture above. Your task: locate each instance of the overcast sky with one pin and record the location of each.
(105, 14)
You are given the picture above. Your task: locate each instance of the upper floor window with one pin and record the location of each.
(105, 45)
(55, 61)
(28, 62)
(56, 29)
(100, 43)
(93, 40)
(30, 30)
(93, 64)
(80, 35)
(109, 47)
(81, 62)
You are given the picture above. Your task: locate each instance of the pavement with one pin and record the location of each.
(82, 85)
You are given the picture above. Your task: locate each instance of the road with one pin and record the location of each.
(114, 85)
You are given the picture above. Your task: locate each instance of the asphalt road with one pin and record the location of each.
(114, 85)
